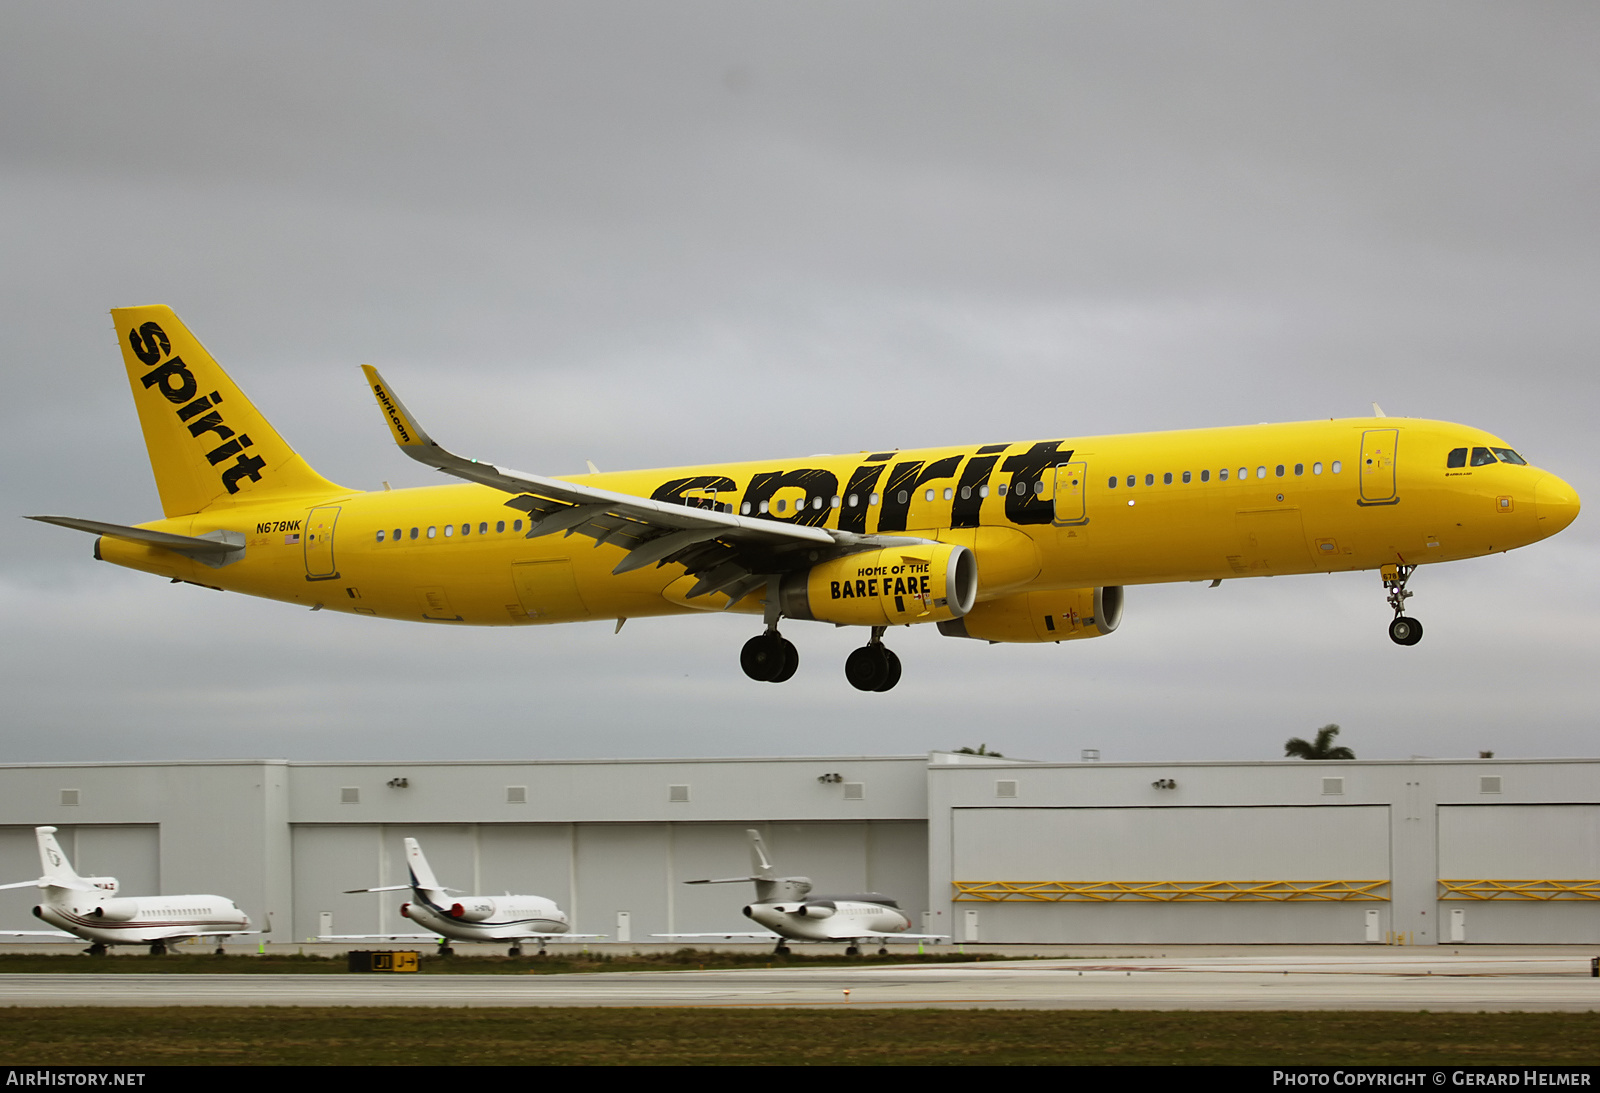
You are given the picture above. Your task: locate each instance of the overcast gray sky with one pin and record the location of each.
(651, 234)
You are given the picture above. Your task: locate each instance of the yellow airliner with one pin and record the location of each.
(1030, 541)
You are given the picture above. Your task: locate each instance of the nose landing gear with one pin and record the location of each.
(1403, 630)
(873, 667)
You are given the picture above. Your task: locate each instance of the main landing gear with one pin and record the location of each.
(97, 949)
(1404, 630)
(781, 950)
(873, 667)
(158, 948)
(769, 657)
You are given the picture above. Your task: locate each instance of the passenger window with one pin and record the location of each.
(499, 525)
(928, 496)
(1482, 457)
(855, 499)
(1166, 479)
(902, 498)
(744, 508)
(413, 533)
(380, 536)
(1338, 465)
(1280, 470)
(1112, 484)
(1244, 472)
(1508, 456)
(816, 502)
(1038, 487)
(763, 507)
(1316, 468)
(782, 505)
(1149, 479)
(466, 529)
(948, 493)
(1205, 476)
(1261, 472)
(397, 535)
(873, 499)
(449, 530)
(1186, 478)
(1002, 489)
(483, 528)
(433, 532)
(1457, 458)
(1222, 475)
(516, 525)
(836, 502)
(983, 490)
(1299, 469)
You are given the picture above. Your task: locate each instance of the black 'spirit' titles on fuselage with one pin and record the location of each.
(394, 415)
(1023, 505)
(179, 387)
(708, 484)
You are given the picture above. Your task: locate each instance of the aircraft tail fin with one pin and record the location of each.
(208, 445)
(56, 870)
(421, 873)
(760, 864)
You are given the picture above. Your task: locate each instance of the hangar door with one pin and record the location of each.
(1513, 874)
(1232, 874)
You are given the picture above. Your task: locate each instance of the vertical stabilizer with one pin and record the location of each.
(422, 877)
(54, 867)
(760, 864)
(208, 445)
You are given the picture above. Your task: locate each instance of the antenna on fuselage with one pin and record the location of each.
(1377, 411)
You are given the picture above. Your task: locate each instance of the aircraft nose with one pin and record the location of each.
(1555, 503)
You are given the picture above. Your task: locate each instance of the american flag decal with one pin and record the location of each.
(291, 540)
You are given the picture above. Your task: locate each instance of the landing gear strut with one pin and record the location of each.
(515, 950)
(781, 950)
(158, 948)
(770, 657)
(1403, 630)
(873, 667)
(97, 949)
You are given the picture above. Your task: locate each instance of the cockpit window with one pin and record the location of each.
(1482, 457)
(1458, 458)
(1508, 456)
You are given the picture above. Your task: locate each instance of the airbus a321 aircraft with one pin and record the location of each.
(473, 918)
(785, 907)
(1029, 541)
(90, 908)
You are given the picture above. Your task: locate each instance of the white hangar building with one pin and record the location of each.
(995, 851)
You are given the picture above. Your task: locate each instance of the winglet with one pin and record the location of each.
(407, 433)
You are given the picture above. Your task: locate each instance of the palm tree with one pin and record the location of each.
(981, 749)
(1320, 748)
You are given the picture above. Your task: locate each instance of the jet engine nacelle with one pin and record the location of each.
(477, 911)
(116, 910)
(817, 910)
(930, 582)
(1041, 616)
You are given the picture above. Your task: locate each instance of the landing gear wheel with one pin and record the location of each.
(892, 675)
(158, 948)
(781, 950)
(883, 952)
(791, 661)
(446, 950)
(872, 668)
(515, 950)
(1405, 631)
(769, 658)
(97, 949)
(851, 950)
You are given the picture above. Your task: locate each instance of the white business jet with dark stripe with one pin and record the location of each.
(89, 907)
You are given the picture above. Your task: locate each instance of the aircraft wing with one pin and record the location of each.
(378, 937)
(54, 935)
(729, 553)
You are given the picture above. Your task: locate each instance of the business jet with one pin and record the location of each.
(473, 918)
(89, 908)
(786, 908)
(1030, 541)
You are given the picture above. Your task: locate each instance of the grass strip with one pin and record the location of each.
(213, 1036)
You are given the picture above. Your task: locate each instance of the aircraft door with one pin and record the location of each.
(1378, 448)
(1071, 480)
(318, 543)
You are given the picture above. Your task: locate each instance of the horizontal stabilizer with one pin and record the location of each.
(216, 548)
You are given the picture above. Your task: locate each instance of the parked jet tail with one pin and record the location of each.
(208, 445)
(421, 874)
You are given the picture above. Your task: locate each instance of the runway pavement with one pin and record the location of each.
(1388, 981)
